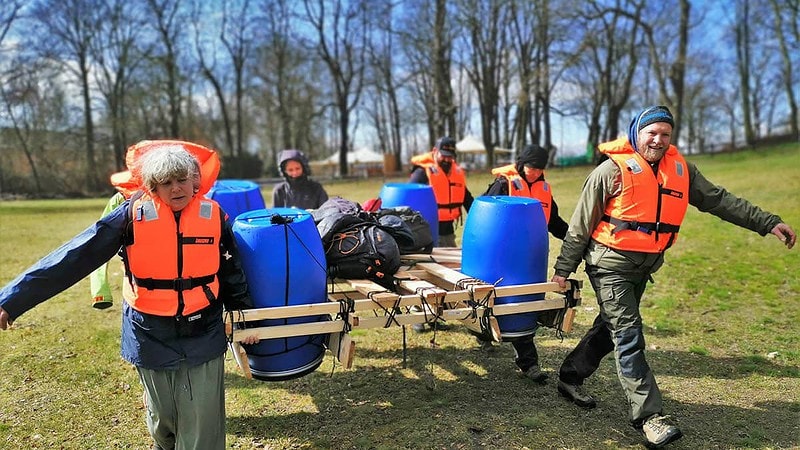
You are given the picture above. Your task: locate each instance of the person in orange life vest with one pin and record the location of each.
(126, 185)
(629, 213)
(439, 169)
(174, 290)
(525, 178)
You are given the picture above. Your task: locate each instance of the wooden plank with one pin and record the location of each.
(343, 348)
(523, 307)
(241, 359)
(338, 325)
(446, 251)
(387, 300)
(479, 289)
(282, 331)
(474, 324)
(569, 318)
(530, 288)
(431, 258)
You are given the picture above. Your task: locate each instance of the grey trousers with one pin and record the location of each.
(447, 240)
(618, 327)
(186, 407)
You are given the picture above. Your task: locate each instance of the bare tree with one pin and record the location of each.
(416, 34)
(342, 45)
(117, 51)
(387, 84)
(34, 105)
(483, 49)
(235, 29)
(523, 40)
(442, 57)
(742, 32)
(667, 53)
(608, 61)
(215, 71)
(65, 33)
(8, 15)
(780, 9)
(289, 81)
(168, 24)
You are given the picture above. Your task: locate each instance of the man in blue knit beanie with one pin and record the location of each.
(629, 213)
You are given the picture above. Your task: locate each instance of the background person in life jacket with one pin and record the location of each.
(441, 171)
(628, 214)
(172, 327)
(526, 178)
(126, 184)
(298, 190)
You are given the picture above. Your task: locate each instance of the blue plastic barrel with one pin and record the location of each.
(236, 196)
(505, 238)
(284, 262)
(418, 197)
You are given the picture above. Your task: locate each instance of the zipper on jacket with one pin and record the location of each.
(658, 211)
(179, 312)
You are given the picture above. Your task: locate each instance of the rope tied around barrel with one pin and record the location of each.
(468, 284)
(229, 316)
(347, 306)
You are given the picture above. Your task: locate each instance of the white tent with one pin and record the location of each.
(475, 153)
(362, 161)
(470, 144)
(362, 155)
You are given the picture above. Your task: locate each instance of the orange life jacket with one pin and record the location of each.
(518, 187)
(173, 266)
(449, 189)
(647, 214)
(129, 181)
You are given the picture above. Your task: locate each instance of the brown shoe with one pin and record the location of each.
(575, 394)
(535, 374)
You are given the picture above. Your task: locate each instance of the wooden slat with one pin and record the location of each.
(431, 258)
(569, 318)
(387, 300)
(282, 331)
(343, 348)
(241, 359)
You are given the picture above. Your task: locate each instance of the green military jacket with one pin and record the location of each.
(605, 182)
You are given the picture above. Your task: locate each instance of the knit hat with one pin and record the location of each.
(446, 146)
(648, 116)
(532, 155)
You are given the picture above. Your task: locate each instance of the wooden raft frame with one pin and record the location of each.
(430, 282)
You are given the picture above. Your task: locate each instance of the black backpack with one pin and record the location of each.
(356, 245)
(420, 239)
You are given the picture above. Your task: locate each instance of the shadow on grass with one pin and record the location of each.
(450, 397)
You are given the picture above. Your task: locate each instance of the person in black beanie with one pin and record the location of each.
(525, 178)
(298, 191)
(629, 213)
(439, 169)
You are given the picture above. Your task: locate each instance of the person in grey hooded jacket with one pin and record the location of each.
(298, 190)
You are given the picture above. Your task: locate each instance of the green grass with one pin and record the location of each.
(722, 327)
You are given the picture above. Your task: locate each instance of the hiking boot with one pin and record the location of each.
(658, 432)
(536, 375)
(575, 394)
(418, 327)
(484, 344)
